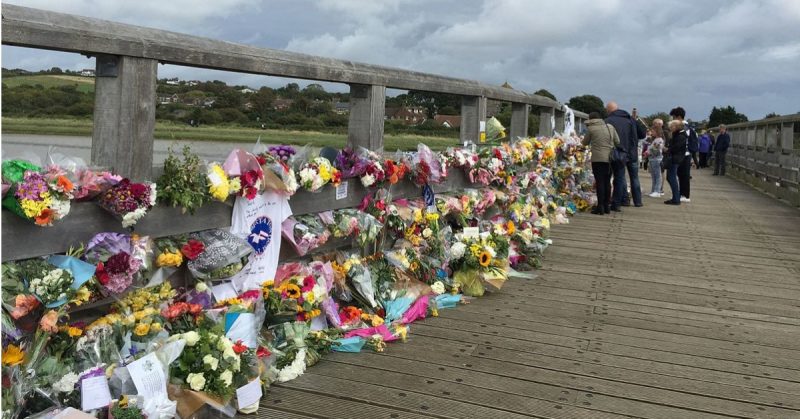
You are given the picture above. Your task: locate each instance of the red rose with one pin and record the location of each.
(239, 348)
(192, 249)
(263, 352)
(261, 160)
(195, 309)
(101, 274)
(139, 189)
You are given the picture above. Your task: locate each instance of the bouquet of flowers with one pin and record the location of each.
(351, 163)
(425, 166)
(394, 171)
(278, 174)
(283, 153)
(183, 182)
(373, 174)
(245, 173)
(220, 186)
(129, 201)
(35, 197)
(305, 232)
(295, 290)
(348, 222)
(90, 183)
(118, 259)
(317, 173)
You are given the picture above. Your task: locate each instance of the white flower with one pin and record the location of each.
(211, 362)
(67, 383)
(295, 369)
(427, 232)
(226, 377)
(438, 287)
(60, 207)
(196, 381)
(224, 344)
(491, 251)
(367, 180)
(230, 355)
(191, 338)
(152, 194)
(457, 250)
(201, 287)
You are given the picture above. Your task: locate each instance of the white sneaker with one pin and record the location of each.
(654, 195)
(660, 194)
(684, 199)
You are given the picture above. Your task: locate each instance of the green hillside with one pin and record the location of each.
(84, 84)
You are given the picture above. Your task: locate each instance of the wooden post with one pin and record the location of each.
(787, 137)
(560, 115)
(367, 110)
(473, 112)
(545, 122)
(124, 115)
(519, 120)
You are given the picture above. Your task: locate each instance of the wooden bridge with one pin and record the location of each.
(654, 312)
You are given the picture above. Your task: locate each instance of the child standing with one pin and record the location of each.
(655, 154)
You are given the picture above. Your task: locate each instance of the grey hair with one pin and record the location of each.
(675, 123)
(722, 126)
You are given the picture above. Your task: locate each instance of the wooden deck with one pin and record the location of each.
(655, 312)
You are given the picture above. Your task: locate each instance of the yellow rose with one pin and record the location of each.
(141, 329)
(156, 327)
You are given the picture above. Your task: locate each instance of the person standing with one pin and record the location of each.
(602, 138)
(655, 154)
(721, 150)
(704, 149)
(684, 171)
(676, 153)
(629, 134)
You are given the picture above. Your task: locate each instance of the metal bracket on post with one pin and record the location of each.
(124, 115)
(367, 109)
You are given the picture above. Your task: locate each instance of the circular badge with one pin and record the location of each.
(260, 234)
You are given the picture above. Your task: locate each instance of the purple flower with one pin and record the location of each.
(32, 187)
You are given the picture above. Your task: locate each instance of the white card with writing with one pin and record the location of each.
(223, 291)
(249, 394)
(471, 232)
(95, 393)
(149, 377)
(341, 191)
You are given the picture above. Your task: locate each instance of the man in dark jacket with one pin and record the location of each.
(721, 150)
(629, 134)
(684, 171)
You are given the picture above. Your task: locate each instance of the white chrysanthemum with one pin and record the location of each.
(438, 287)
(457, 250)
(67, 383)
(367, 180)
(60, 207)
(295, 369)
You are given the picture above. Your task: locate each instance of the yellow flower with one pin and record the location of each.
(485, 259)
(74, 331)
(129, 320)
(218, 183)
(475, 249)
(33, 208)
(169, 259)
(310, 297)
(417, 215)
(141, 329)
(81, 296)
(13, 355)
(155, 327)
(432, 217)
(377, 321)
(324, 172)
(402, 332)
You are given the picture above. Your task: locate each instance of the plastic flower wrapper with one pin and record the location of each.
(425, 166)
(305, 232)
(495, 131)
(352, 162)
(116, 261)
(296, 289)
(223, 255)
(351, 345)
(245, 172)
(361, 279)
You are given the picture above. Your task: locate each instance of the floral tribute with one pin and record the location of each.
(129, 201)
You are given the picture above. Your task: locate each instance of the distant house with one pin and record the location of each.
(247, 90)
(249, 106)
(448, 121)
(87, 72)
(193, 82)
(407, 115)
(173, 81)
(209, 102)
(281, 104)
(166, 99)
(342, 108)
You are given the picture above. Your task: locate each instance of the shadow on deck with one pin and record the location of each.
(655, 312)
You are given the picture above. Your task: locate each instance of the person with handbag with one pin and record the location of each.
(674, 157)
(603, 140)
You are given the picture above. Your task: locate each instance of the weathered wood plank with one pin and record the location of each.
(519, 120)
(365, 128)
(317, 405)
(473, 112)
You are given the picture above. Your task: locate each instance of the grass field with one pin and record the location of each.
(172, 131)
(85, 84)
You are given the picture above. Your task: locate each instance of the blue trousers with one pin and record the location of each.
(672, 178)
(621, 186)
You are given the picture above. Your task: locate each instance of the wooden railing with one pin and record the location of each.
(766, 154)
(124, 116)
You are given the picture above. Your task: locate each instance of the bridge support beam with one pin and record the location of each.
(367, 109)
(546, 122)
(473, 112)
(560, 116)
(519, 120)
(124, 115)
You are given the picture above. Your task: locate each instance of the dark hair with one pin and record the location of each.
(678, 112)
(594, 115)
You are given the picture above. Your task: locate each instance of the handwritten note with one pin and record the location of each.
(148, 376)
(341, 191)
(95, 393)
(249, 394)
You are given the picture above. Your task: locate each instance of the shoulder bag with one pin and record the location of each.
(618, 155)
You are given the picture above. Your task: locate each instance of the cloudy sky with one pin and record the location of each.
(653, 55)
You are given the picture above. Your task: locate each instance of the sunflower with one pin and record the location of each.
(485, 258)
(293, 291)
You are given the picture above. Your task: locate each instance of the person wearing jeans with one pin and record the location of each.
(629, 133)
(655, 155)
(721, 149)
(602, 138)
(677, 154)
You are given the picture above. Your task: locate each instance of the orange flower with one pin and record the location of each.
(45, 217)
(24, 304)
(510, 228)
(64, 184)
(49, 321)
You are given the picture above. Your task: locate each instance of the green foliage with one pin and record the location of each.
(544, 92)
(587, 103)
(772, 115)
(183, 182)
(726, 115)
